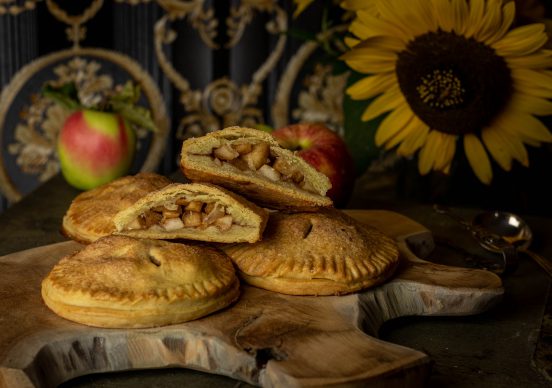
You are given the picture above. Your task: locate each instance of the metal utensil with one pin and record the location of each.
(487, 239)
(514, 230)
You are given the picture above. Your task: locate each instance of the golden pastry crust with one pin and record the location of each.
(247, 220)
(122, 282)
(323, 253)
(90, 215)
(198, 164)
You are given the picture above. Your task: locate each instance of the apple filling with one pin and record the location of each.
(183, 213)
(258, 157)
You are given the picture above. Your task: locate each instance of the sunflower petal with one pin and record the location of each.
(389, 100)
(400, 16)
(477, 158)
(475, 18)
(301, 6)
(522, 41)
(429, 152)
(530, 104)
(370, 66)
(446, 153)
(351, 42)
(415, 139)
(539, 60)
(425, 12)
(371, 86)
(527, 127)
(532, 82)
(369, 25)
(355, 5)
(360, 53)
(393, 123)
(444, 14)
(394, 16)
(491, 20)
(384, 43)
(412, 127)
(508, 14)
(498, 147)
(517, 148)
(461, 12)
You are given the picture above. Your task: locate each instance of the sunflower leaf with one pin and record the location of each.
(359, 135)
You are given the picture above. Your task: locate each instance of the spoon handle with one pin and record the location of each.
(543, 262)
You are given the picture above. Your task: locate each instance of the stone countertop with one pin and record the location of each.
(504, 347)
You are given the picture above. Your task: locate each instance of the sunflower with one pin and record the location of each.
(452, 72)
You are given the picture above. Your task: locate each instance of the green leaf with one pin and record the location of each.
(360, 135)
(129, 93)
(301, 34)
(264, 128)
(134, 114)
(65, 95)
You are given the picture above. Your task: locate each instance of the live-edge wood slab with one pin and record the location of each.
(266, 338)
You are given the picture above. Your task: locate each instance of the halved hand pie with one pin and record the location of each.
(122, 282)
(252, 163)
(193, 211)
(322, 253)
(90, 215)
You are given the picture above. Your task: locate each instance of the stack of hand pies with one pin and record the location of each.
(162, 253)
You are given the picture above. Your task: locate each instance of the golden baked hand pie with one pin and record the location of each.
(193, 211)
(90, 215)
(252, 163)
(322, 253)
(122, 282)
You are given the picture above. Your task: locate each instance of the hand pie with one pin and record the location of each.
(90, 215)
(322, 253)
(193, 211)
(122, 282)
(251, 162)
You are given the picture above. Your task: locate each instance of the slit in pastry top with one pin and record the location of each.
(193, 211)
(252, 163)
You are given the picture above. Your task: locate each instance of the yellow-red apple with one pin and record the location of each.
(94, 148)
(326, 151)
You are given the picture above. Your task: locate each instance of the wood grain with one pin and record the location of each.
(266, 338)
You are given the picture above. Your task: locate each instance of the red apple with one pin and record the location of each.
(94, 148)
(326, 151)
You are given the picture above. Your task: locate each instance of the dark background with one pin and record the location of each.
(128, 29)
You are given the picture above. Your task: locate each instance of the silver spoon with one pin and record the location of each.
(514, 230)
(489, 240)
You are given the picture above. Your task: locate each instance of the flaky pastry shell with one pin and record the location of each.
(322, 253)
(248, 220)
(90, 215)
(122, 282)
(198, 164)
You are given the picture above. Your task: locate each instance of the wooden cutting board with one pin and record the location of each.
(266, 338)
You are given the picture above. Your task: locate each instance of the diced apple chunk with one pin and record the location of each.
(135, 224)
(209, 206)
(171, 214)
(172, 224)
(242, 148)
(213, 215)
(191, 219)
(270, 173)
(239, 164)
(225, 152)
(224, 223)
(194, 206)
(149, 218)
(182, 202)
(258, 155)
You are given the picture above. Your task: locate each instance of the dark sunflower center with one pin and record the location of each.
(454, 84)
